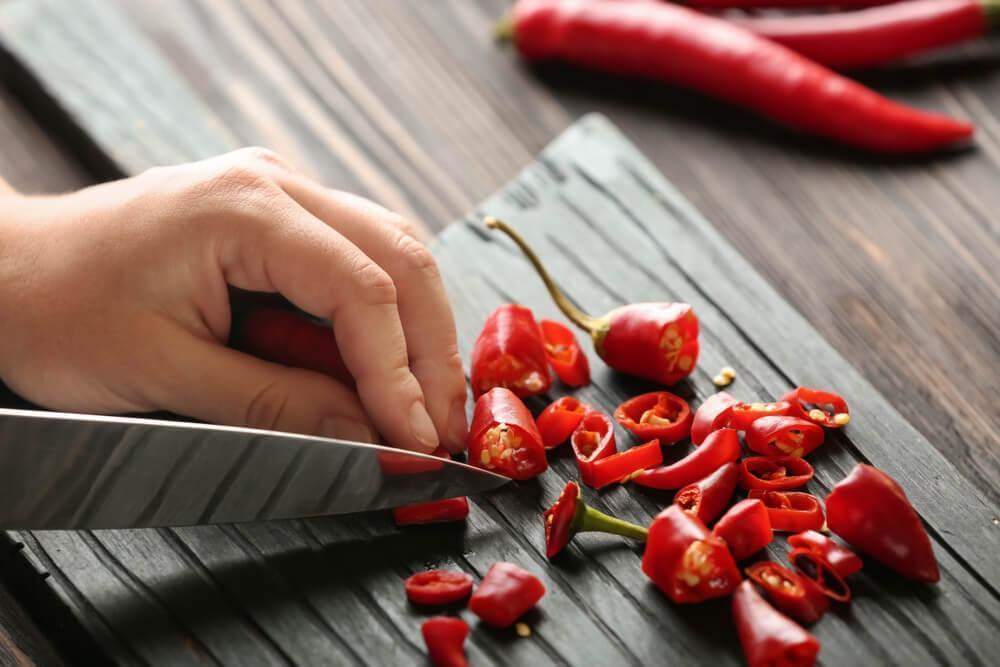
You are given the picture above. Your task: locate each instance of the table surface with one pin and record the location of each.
(413, 105)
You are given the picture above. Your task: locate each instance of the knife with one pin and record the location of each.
(78, 471)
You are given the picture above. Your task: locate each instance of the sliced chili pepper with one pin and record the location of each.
(593, 439)
(713, 414)
(870, 511)
(777, 436)
(623, 465)
(792, 511)
(504, 438)
(768, 637)
(685, 561)
(815, 568)
(822, 407)
(569, 515)
(783, 4)
(505, 594)
(558, 421)
(658, 414)
(774, 473)
(745, 528)
(287, 338)
(509, 353)
(445, 638)
(843, 561)
(564, 353)
(397, 465)
(719, 448)
(435, 511)
(438, 587)
(657, 341)
(708, 497)
(790, 592)
(745, 414)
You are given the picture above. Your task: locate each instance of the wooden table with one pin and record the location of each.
(413, 105)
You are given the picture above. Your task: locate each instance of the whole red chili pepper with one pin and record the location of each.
(503, 437)
(870, 511)
(774, 473)
(685, 561)
(438, 587)
(290, 339)
(657, 341)
(813, 566)
(676, 45)
(720, 448)
(564, 353)
(713, 414)
(505, 594)
(791, 511)
(745, 414)
(767, 636)
(745, 528)
(445, 638)
(559, 419)
(823, 407)
(780, 436)
(658, 414)
(435, 511)
(708, 497)
(509, 353)
(790, 592)
(843, 561)
(569, 515)
(622, 466)
(593, 439)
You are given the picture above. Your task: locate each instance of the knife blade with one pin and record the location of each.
(76, 471)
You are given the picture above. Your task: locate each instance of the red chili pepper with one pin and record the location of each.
(792, 511)
(287, 338)
(774, 473)
(870, 511)
(685, 561)
(564, 353)
(843, 561)
(593, 439)
(720, 448)
(505, 594)
(435, 511)
(623, 465)
(558, 421)
(396, 465)
(783, 4)
(445, 638)
(657, 341)
(745, 414)
(823, 407)
(768, 637)
(658, 414)
(504, 438)
(780, 436)
(790, 592)
(745, 528)
(438, 587)
(569, 515)
(713, 414)
(510, 353)
(707, 498)
(814, 567)
(679, 46)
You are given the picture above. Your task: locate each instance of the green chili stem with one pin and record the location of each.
(991, 10)
(503, 30)
(595, 521)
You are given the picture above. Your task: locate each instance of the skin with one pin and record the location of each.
(115, 299)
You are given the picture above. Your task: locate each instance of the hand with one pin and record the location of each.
(115, 299)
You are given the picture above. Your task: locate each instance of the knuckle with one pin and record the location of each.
(373, 283)
(241, 185)
(403, 224)
(258, 155)
(416, 258)
(268, 405)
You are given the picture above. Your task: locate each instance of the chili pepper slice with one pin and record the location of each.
(438, 587)
(745, 528)
(813, 567)
(872, 513)
(505, 594)
(707, 498)
(593, 439)
(745, 414)
(792, 511)
(564, 353)
(685, 561)
(777, 436)
(822, 407)
(569, 515)
(790, 592)
(287, 338)
(657, 341)
(843, 561)
(658, 414)
(504, 438)
(509, 353)
(559, 419)
(435, 511)
(623, 465)
(397, 465)
(713, 414)
(719, 448)
(445, 638)
(774, 473)
(783, 4)
(768, 637)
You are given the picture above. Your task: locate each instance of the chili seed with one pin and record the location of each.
(841, 418)
(721, 381)
(522, 629)
(817, 415)
(728, 372)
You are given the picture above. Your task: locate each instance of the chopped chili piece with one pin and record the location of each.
(564, 353)
(685, 561)
(397, 465)
(445, 638)
(569, 515)
(774, 473)
(768, 637)
(815, 568)
(504, 438)
(559, 419)
(822, 407)
(438, 587)
(593, 439)
(624, 465)
(708, 497)
(792, 511)
(712, 415)
(777, 436)
(435, 511)
(720, 448)
(658, 414)
(505, 594)
(870, 511)
(790, 592)
(509, 353)
(843, 561)
(745, 414)
(745, 528)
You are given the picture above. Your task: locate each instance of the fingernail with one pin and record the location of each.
(458, 426)
(346, 428)
(422, 427)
